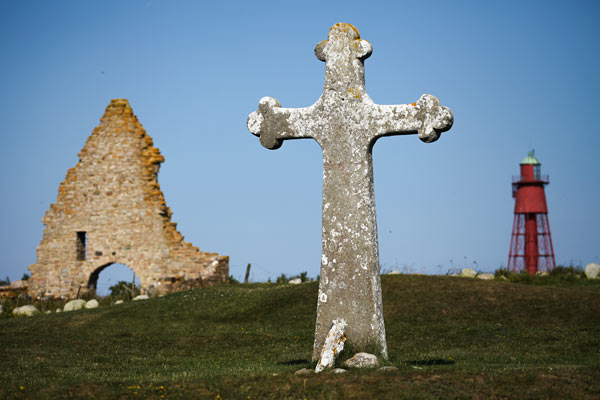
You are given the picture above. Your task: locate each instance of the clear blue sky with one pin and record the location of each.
(516, 74)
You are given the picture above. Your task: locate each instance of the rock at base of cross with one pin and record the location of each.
(334, 344)
(362, 360)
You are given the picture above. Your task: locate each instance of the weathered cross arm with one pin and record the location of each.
(425, 117)
(274, 124)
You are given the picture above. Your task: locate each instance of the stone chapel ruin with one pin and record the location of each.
(110, 209)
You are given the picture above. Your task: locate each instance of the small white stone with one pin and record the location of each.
(394, 272)
(74, 305)
(27, 310)
(59, 309)
(141, 297)
(338, 371)
(303, 371)
(592, 271)
(468, 273)
(485, 277)
(295, 281)
(92, 304)
(362, 360)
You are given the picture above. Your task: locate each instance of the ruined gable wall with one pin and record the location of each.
(113, 199)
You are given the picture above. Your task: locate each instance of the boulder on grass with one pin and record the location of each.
(362, 360)
(468, 273)
(141, 297)
(592, 271)
(295, 281)
(93, 303)
(26, 311)
(485, 277)
(73, 305)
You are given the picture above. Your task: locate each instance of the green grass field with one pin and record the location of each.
(449, 337)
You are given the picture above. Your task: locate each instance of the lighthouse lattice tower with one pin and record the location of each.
(531, 242)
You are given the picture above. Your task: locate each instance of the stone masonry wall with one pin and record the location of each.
(110, 209)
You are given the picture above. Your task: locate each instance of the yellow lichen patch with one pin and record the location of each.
(345, 27)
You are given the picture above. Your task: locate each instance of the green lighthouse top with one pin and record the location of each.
(530, 159)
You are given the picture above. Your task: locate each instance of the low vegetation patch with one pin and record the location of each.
(448, 337)
(559, 276)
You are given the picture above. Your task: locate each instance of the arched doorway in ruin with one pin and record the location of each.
(109, 274)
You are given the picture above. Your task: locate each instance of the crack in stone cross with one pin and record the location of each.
(346, 123)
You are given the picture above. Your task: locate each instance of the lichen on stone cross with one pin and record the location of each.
(346, 123)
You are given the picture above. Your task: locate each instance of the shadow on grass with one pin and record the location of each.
(430, 362)
(294, 362)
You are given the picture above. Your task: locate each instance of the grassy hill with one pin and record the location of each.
(449, 338)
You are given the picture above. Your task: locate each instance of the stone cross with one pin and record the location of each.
(346, 123)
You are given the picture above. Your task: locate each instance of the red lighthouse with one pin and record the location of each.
(530, 243)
